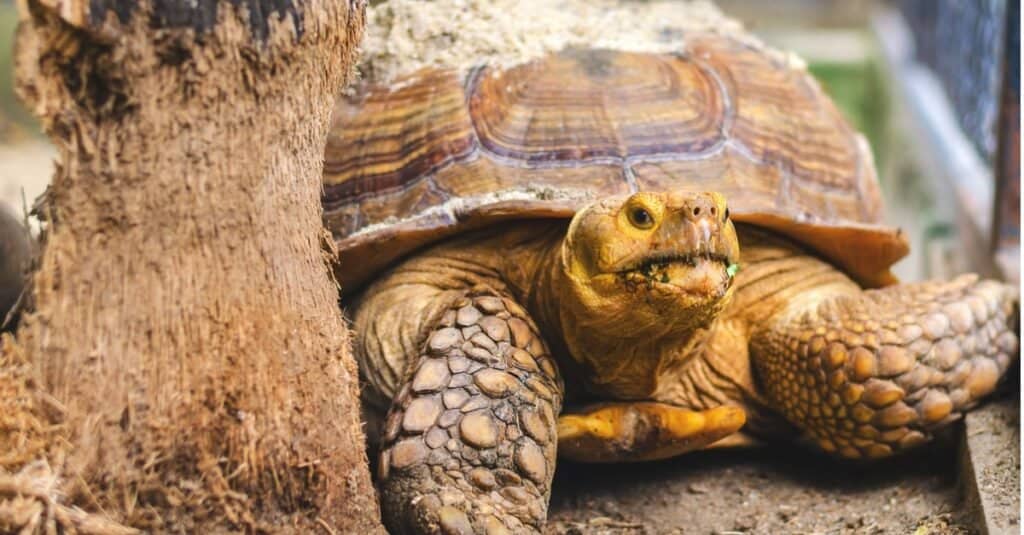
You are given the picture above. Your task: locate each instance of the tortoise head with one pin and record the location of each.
(653, 262)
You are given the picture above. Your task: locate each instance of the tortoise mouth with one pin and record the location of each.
(658, 262)
(706, 275)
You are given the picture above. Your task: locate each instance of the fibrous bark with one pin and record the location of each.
(185, 366)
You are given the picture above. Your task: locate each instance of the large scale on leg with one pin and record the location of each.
(693, 242)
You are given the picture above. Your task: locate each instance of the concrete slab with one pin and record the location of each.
(990, 467)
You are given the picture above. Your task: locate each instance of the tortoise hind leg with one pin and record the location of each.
(469, 443)
(872, 374)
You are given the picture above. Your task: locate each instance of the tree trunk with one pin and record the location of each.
(186, 365)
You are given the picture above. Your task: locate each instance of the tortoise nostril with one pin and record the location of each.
(696, 211)
(714, 211)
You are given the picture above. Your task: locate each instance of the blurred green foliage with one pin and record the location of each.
(15, 121)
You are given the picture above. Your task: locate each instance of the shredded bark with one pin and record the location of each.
(29, 503)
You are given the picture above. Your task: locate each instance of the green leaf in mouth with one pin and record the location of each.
(732, 270)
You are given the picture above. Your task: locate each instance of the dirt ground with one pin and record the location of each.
(771, 490)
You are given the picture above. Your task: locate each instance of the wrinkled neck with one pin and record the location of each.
(614, 349)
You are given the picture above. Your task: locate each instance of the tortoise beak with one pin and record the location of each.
(701, 225)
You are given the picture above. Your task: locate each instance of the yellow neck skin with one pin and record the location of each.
(620, 347)
(634, 284)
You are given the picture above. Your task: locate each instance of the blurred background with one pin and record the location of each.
(934, 84)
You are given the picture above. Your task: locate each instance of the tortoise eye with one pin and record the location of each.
(641, 218)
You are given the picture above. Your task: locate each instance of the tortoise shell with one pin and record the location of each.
(434, 154)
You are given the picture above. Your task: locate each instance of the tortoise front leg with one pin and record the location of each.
(469, 442)
(642, 431)
(872, 374)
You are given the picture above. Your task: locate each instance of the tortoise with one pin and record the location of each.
(16, 249)
(545, 259)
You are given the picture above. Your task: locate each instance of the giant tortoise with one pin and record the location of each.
(614, 256)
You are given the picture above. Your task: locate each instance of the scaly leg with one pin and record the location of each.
(872, 374)
(469, 443)
(642, 431)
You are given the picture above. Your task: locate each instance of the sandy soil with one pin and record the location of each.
(770, 491)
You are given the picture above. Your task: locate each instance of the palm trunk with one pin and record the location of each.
(186, 365)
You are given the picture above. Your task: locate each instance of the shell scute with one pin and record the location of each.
(584, 106)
